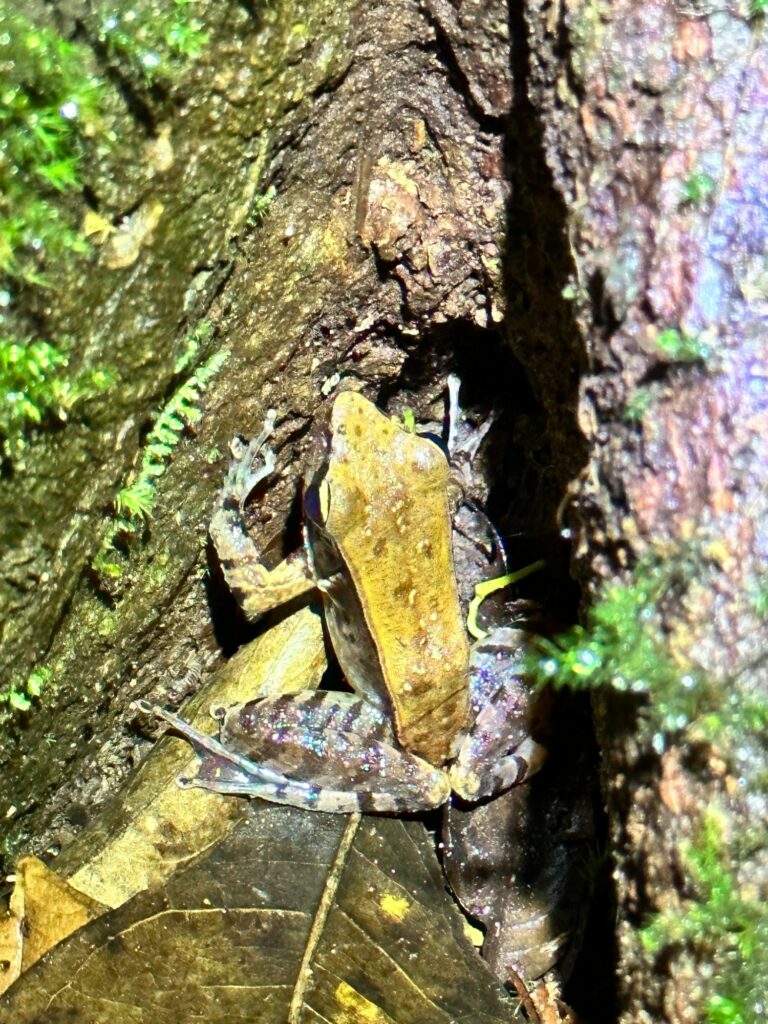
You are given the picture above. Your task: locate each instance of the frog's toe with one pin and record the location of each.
(482, 770)
(465, 784)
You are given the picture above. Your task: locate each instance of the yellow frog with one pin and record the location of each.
(427, 715)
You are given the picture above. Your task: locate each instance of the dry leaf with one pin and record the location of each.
(44, 909)
(152, 826)
(290, 918)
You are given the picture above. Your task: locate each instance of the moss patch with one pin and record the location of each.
(727, 929)
(624, 646)
(49, 100)
(36, 386)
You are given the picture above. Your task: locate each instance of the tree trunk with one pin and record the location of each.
(388, 192)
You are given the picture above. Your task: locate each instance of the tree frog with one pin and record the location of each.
(427, 714)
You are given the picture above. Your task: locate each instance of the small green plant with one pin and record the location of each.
(697, 188)
(48, 97)
(193, 343)
(623, 646)
(638, 405)
(21, 696)
(35, 386)
(156, 37)
(261, 204)
(759, 8)
(758, 597)
(135, 501)
(681, 348)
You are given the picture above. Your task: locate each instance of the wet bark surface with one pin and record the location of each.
(655, 128)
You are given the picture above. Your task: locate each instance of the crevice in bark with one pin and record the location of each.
(457, 77)
(549, 345)
(604, 315)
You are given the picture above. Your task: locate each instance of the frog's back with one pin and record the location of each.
(390, 519)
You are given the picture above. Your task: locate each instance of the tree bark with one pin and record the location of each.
(656, 133)
(448, 195)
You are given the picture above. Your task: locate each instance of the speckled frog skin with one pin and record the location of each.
(427, 714)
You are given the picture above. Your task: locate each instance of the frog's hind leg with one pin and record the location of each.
(499, 750)
(320, 750)
(256, 588)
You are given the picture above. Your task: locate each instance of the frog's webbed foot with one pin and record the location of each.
(463, 445)
(324, 751)
(244, 472)
(499, 750)
(256, 588)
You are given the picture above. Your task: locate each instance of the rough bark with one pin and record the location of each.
(642, 105)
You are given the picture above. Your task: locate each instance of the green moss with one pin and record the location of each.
(623, 646)
(409, 420)
(759, 8)
(193, 343)
(37, 386)
(638, 405)
(135, 501)
(759, 597)
(722, 926)
(157, 38)
(48, 99)
(682, 348)
(697, 188)
(19, 696)
(261, 204)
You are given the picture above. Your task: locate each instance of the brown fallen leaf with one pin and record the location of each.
(151, 826)
(292, 917)
(43, 910)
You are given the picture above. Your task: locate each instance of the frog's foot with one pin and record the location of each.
(462, 449)
(319, 750)
(499, 751)
(244, 471)
(487, 765)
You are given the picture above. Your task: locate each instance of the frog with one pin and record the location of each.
(429, 715)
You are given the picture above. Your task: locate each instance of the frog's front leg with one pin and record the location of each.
(322, 750)
(256, 588)
(499, 750)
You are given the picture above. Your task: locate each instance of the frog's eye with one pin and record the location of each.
(317, 502)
